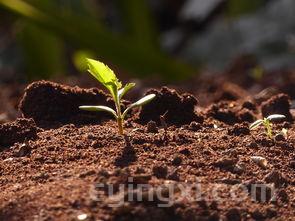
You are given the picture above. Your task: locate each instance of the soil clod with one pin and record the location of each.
(179, 109)
(278, 104)
(51, 104)
(16, 132)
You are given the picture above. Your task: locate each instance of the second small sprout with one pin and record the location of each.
(266, 122)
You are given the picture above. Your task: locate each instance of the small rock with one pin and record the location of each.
(83, 216)
(185, 151)
(10, 159)
(253, 144)
(194, 126)
(233, 214)
(225, 162)
(280, 137)
(152, 127)
(239, 168)
(160, 171)
(177, 160)
(41, 176)
(260, 161)
(24, 150)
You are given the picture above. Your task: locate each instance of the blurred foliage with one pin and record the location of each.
(42, 51)
(135, 51)
(46, 29)
(239, 7)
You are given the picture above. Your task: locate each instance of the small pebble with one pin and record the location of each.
(279, 137)
(24, 150)
(194, 126)
(177, 160)
(260, 161)
(83, 216)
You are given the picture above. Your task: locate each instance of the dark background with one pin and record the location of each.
(170, 40)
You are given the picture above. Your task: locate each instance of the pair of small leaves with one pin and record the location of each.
(108, 78)
(265, 120)
(138, 103)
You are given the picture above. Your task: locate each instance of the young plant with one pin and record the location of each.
(108, 78)
(266, 122)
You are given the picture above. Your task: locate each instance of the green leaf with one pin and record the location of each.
(276, 116)
(144, 100)
(256, 124)
(104, 75)
(138, 103)
(99, 108)
(124, 90)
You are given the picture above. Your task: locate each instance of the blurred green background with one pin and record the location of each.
(169, 39)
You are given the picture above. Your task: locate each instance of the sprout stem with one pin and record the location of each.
(120, 126)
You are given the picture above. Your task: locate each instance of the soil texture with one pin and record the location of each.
(177, 160)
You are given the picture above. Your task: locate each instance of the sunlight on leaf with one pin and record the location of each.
(126, 88)
(104, 75)
(98, 108)
(276, 116)
(256, 124)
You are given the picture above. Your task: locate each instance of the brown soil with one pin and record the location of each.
(176, 109)
(53, 174)
(18, 131)
(277, 104)
(52, 105)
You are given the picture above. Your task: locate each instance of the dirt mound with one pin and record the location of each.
(232, 112)
(229, 92)
(51, 104)
(18, 131)
(278, 104)
(177, 109)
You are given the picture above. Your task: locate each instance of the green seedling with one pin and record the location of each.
(108, 78)
(266, 122)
